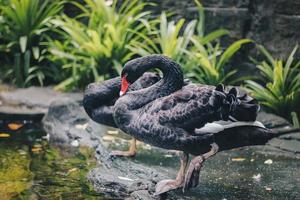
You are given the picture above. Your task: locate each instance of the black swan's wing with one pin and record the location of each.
(195, 105)
(100, 97)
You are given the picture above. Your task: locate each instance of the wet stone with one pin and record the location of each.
(271, 120)
(30, 103)
(295, 136)
(39, 97)
(289, 145)
(67, 124)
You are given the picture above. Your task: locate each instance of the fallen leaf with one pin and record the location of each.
(22, 152)
(82, 126)
(108, 138)
(72, 170)
(4, 135)
(238, 159)
(125, 178)
(14, 126)
(268, 162)
(268, 188)
(113, 132)
(36, 149)
(256, 177)
(37, 146)
(75, 143)
(46, 137)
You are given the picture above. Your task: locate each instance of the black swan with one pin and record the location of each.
(100, 97)
(168, 114)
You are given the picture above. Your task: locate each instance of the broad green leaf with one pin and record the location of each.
(23, 43)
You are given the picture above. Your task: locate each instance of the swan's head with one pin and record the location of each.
(133, 70)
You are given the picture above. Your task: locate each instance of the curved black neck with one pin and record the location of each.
(172, 81)
(99, 99)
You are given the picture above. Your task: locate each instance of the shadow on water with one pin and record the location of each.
(30, 168)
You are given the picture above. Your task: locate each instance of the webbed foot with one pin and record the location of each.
(193, 171)
(167, 185)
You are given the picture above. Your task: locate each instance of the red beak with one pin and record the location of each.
(124, 86)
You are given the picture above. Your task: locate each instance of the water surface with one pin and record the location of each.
(30, 168)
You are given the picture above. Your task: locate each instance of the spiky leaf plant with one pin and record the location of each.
(97, 40)
(279, 89)
(25, 26)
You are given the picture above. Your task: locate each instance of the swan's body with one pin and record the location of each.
(167, 114)
(172, 122)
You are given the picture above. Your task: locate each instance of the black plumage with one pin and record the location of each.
(168, 114)
(100, 97)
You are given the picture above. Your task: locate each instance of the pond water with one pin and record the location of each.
(32, 169)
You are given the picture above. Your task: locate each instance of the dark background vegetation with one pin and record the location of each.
(68, 44)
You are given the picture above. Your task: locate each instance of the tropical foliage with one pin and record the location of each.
(166, 39)
(279, 89)
(40, 43)
(208, 62)
(24, 28)
(95, 45)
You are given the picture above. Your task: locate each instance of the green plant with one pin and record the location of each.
(208, 63)
(295, 120)
(25, 26)
(175, 39)
(166, 39)
(96, 49)
(279, 89)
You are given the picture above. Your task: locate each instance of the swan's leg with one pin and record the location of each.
(167, 185)
(130, 153)
(192, 174)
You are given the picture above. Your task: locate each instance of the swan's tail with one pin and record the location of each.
(234, 107)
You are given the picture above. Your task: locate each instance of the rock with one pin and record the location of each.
(272, 121)
(36, 97)
(30, 103)
(118, 178)
(292, 136)
(285, 143)
(67, 124)
(140, 195)
(20, 113)
(288, 145)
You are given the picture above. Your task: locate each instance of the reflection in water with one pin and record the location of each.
(32, 169)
